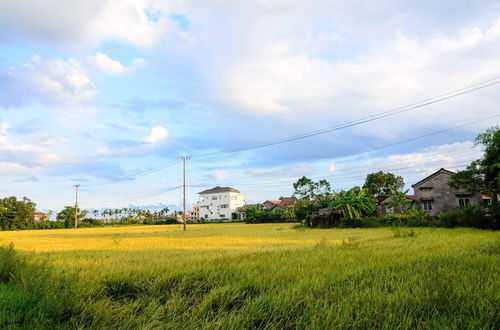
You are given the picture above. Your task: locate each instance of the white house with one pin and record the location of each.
(220, 203)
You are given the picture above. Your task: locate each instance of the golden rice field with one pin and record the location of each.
(269, 276)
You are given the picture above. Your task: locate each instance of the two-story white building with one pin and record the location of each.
(220, 203)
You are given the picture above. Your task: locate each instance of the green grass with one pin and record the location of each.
(238, 276)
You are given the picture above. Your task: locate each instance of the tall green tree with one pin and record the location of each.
(17, 213)
(68, 216)
(381, 185)
(306, 188)
(483, 175)
(254, 213)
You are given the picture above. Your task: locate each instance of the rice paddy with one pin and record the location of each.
(240, 276)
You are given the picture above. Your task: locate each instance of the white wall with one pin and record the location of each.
(221, 205)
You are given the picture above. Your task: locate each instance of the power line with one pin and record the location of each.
(335, 177)
(465, 90)
(398, 142)
(392, 112)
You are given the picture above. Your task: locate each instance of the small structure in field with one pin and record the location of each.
(326, 218)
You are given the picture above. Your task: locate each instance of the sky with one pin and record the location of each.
(111, 94)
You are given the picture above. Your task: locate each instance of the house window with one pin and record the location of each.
(224, 206)
(463, 201)
(427, 205)
(206, 216)
(390, 210)
(222, 215)
(214, 198)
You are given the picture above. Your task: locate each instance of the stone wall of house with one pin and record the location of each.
(443, 197)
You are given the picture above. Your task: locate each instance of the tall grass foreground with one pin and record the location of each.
(249, 276)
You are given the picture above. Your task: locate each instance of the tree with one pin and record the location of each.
(306, 188)
(254, 213)
(400, 200)
(17, 213)
(353, 204)
(381, 185)
(483, 175)
(68, 215)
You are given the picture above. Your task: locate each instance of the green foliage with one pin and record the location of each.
(353, 204)
(33, 295)
(483, 175)
(369, 222)
(68, 216)
(468, 216)
(16, 214)
(413, 218)
(306, 188)
(381, 185)
(400, 201)
(254, 213)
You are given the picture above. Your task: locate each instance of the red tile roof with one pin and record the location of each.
(287, 201)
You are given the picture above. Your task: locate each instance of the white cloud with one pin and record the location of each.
(157, 135)
(83, 21)
(22, 154)
(283, 77)
(112, 67)
(50, 82)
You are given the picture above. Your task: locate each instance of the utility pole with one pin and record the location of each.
(184, 190)
(77, 186)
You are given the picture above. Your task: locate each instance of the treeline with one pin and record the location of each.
(19, 215)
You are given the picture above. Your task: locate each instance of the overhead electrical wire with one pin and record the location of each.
(466, 90)
(392, 112)
(442, 97)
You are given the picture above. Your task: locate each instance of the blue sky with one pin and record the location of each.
(105, 93)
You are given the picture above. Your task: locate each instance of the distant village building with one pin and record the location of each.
(283, 203)
(220, 203)
(40, 216)
(270, 205)
(434, 195)
(386, 208)
(194, 214)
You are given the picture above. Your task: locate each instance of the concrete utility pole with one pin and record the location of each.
(77, 186)
(184, 190)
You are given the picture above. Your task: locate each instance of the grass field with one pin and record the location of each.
(250, 276)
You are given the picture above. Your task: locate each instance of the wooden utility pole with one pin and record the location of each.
(77, 186)
(184, 190)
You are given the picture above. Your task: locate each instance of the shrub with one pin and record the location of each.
(468, 216)
(413, 218)
(359, 223)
